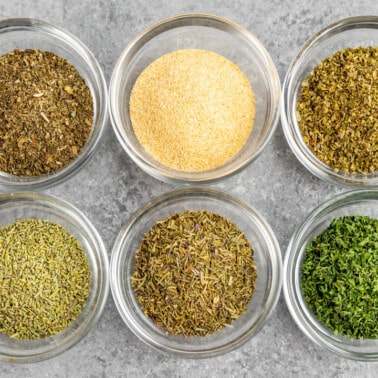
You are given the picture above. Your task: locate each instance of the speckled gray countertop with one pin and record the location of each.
(111, 187)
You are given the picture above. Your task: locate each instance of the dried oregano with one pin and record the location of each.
(340, 276)
(337, 110)
(44, 279)
(194, 273)
(46, 112)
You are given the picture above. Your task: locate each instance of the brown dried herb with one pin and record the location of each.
(46, 112)
(194, 273)
(337, 110)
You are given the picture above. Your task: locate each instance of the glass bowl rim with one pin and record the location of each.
(8, 182)
(294, 253)
(126, 56)
(119, 252)
(288, 122)
(77, 217)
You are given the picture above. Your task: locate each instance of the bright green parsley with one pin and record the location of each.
(340, 276)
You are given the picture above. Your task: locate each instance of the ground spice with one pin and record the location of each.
(337, 110)
(44, 279)
(192, 110)
(194, 273)
(340, 277)
(46, 112)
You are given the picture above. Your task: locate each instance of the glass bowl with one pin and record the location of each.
(267, 259)
(349, 32)
(26, 33)
(196, 31)
(362, 202)
(25, 205)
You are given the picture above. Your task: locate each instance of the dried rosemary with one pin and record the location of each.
(44, 279)
(194, 273)
(46, 112)
(340, 276)
(337, 110)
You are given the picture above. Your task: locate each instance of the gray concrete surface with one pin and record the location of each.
(111, 187)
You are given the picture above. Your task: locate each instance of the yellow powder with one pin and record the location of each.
(192, 110)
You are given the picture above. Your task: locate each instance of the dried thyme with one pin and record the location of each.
(46, 112)
(44, 279)
(194, 273)
(337, 110)
(340, 277)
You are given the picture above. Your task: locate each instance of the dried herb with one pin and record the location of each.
(340, 276)
(194, 273)
(337, 110)
(44, 279)
(46, 112)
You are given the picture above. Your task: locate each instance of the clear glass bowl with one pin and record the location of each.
(267, 258)
(26, 33)
(199, 31)
(350, 32)
(24, 205)
(363, 202)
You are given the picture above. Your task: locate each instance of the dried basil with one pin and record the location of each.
(46, 112)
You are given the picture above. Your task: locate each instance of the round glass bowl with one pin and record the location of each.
(196, 31)
(362, 202)
(267, 259)
(26, 33)
(25, 205)
(347, 33)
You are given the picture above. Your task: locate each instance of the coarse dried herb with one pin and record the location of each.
(340, 276)
(46, 112)
(337, 110)
(44, 279)
(194, 273)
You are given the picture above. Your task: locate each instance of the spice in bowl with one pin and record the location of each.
(339, 278)
(44, 279)
(337, 110)
(46, 112)
(192, 110)
(194, 273)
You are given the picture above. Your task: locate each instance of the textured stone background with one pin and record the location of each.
(111, 187)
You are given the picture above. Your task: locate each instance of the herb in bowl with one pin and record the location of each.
(340, 276)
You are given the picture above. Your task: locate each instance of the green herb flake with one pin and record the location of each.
(340, 277)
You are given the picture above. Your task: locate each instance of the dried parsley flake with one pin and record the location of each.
(340, 276)
(194, 273)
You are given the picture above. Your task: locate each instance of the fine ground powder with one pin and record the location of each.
(192, 110)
